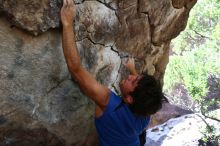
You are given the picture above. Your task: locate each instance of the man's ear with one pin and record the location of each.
(129, 99)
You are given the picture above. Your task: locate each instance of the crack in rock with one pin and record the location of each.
(57, 85)
(107, 5)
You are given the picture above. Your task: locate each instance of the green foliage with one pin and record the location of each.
(192, 69)
(210, 134)
(204, 16)
(196, 51)
(196, 56)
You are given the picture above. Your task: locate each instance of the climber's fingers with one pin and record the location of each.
(64, 3)
(68, 3)
(71, 2)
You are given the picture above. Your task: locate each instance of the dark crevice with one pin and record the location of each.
(8, 113)
(118, 18)
(81, 39)
(116, 90)
(107, 5)
(119, 54)
(87, 37)
(95, 43)
(138, 6)
(152, 27)
(156, 44)
(57, 85)
(148, 16)
(3, 120)
(122, 56)
(116, 51)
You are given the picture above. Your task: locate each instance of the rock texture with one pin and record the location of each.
(167, 112)
(35, 82)
(186, 130)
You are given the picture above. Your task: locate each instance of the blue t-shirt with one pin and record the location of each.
(118, 126)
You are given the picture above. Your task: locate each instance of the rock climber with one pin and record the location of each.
(119, 120)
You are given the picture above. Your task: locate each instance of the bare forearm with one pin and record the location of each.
(69, 48)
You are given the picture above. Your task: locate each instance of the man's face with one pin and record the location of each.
(129, 84)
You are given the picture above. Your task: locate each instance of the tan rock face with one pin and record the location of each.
(34, 16)
(35, 81)
(33, 75)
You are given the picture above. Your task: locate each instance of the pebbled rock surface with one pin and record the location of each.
(186, 130)
(34, 81)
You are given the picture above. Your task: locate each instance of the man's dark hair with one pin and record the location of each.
(148, 96)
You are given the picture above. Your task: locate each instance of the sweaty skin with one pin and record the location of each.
(89, 86)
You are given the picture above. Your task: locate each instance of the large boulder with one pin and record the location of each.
(187, 130)
(37, 92)
(168, 111)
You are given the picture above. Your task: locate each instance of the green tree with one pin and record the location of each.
(196, 51)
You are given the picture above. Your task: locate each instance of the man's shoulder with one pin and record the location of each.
(113, 102)
(114, 98)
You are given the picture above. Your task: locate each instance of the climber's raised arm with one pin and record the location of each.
(97, 92)
(130, 65)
